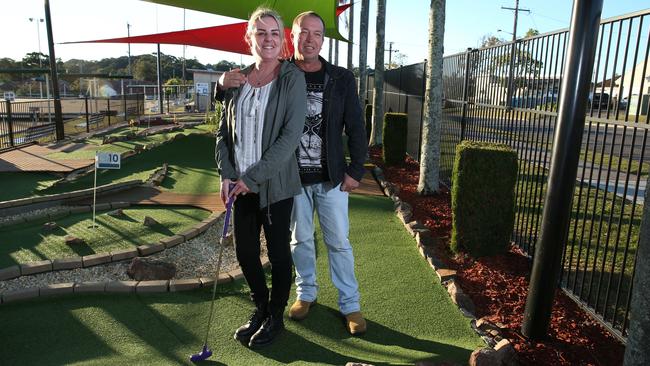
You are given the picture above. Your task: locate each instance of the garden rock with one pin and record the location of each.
(142, 269)
(149, 221)
(74, 241)
(49, 226)
(116, 213)
(484, 357)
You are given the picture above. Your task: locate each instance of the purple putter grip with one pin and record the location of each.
(227, 220)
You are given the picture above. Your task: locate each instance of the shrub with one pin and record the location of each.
(368, 121)
(395, 129)
(482, 198)
(213, 118)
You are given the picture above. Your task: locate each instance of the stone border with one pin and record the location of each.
(18, 205)
(50, 265)
(173, 285)
(500, 350)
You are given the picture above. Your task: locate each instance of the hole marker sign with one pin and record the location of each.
(107, 160)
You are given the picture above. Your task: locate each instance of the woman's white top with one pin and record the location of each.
(249, 124)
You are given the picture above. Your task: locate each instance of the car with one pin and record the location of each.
(598, 100)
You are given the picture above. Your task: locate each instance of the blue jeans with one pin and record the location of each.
(331, 204)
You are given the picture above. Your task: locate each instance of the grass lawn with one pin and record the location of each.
(192, 168)
(95, 142)
(28, 242)
(410, 316)
(24, 184)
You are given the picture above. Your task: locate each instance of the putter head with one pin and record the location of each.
(201, 356)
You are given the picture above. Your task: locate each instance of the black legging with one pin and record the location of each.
(248, 220)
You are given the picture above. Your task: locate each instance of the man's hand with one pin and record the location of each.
(349, 184)
(232, 79)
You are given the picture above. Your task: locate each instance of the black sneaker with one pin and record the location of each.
(246, 331)
(272, 326)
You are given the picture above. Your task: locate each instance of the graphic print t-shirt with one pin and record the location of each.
(312, 154)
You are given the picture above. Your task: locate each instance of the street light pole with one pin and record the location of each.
(38, 34)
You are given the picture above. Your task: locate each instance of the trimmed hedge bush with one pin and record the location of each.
(483, 198)
(395, 129)
(368, 121)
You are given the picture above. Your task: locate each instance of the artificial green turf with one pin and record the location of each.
(410, 317)
(28, 242)
(23, 184)
(192, 168)
(95, 143)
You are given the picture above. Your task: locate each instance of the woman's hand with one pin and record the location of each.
(225, 190)
(239, 188)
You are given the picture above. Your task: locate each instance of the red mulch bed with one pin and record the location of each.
(498, 286)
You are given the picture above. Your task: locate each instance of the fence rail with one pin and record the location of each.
(26, 121)
(482, 103)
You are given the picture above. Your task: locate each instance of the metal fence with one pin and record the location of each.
(482, 102)
(26, 121)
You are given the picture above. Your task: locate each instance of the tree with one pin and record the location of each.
(145, 68)
(430, 156)
(363, 51)
(350, 34)
(489, 40)
(378, 95)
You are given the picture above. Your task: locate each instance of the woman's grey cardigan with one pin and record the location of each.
(275, 177)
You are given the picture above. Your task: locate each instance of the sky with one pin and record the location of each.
(467, 21)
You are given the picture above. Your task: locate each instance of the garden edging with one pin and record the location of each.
(115, 286)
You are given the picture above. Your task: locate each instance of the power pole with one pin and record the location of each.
(390, 54)
(512, 51)
(184, 49)
(128, 34)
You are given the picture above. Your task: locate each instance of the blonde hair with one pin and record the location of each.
(258, 14)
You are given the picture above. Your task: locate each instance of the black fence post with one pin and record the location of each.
(87, 116)
(639, 333)
(463, 115)
(547, 263)
(10, 124)
(167, 95)
(108, 112)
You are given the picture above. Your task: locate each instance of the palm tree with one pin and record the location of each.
(378, 96)
(363, 51)
(350, 34)
(430, 155)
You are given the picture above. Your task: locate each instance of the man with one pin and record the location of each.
(332, 107)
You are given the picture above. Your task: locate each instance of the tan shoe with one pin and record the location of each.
(300, 309)
(355, 323)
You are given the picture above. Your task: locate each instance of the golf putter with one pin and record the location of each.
(206, 352)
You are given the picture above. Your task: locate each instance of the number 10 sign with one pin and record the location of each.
(106, 160)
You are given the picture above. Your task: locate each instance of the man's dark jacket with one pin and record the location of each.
(342, 112)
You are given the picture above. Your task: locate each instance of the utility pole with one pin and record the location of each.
(390, 54)
(128, 34)
(184, 49)
(40, 61)
(58, 116)
(511, 74)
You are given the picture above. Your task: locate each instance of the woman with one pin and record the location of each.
(261, 125)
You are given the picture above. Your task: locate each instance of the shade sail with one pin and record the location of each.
(229, 37)
(241, 9)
